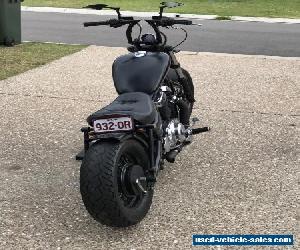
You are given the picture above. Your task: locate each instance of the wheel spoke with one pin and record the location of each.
(133, 200)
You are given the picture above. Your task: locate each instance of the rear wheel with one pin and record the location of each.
(108, 183)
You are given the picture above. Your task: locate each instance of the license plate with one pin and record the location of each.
(116, 124)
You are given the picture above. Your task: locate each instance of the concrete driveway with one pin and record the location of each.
(241, 178)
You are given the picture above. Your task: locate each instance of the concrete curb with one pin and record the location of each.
(148, 14)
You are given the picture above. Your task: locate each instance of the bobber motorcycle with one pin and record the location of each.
(128, 141)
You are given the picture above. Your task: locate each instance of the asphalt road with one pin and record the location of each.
(240, 178)
(214, 36)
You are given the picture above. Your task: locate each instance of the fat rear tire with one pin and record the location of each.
(99, 183)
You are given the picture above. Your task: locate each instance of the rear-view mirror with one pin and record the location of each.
(97, 6)
(171, 4)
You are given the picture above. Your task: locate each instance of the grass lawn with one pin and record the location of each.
(267, 8)
(18, 59)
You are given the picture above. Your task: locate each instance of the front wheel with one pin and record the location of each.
(108, 183)
(191, 95)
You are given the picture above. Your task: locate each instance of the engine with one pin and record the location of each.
(176, 134)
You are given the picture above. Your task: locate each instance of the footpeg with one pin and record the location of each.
(200, 130)
(194, 121)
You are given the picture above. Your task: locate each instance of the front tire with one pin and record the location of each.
(191, 95)
(107, 195)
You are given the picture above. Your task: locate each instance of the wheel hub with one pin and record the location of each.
(133, 180)
(137, 179)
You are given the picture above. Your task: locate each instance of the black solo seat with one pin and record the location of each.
(135, 104)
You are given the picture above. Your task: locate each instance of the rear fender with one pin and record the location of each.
(121, 137)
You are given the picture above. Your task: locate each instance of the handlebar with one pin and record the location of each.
(88, 24)
(155, 23)
(166, 21)
(115, 23)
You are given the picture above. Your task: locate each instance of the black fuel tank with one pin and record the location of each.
(140, 72)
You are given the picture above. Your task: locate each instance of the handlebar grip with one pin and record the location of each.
(115, 23)
(128, 18)
(184, 22)
(87, 24)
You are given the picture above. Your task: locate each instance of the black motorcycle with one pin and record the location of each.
(127, 142)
